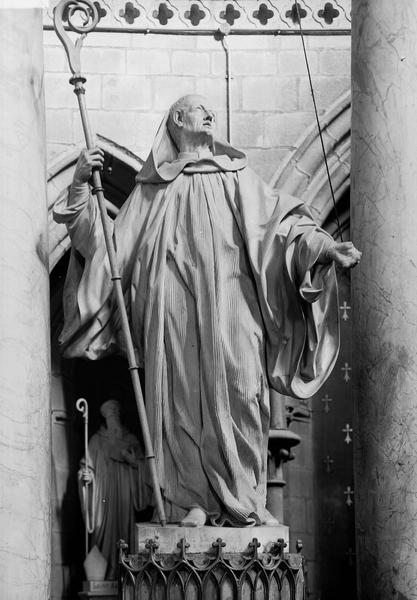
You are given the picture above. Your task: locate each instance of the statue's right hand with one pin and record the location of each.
(86, 475)
(87, 161)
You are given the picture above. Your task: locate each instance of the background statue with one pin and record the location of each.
(231, 290)
(116, 485)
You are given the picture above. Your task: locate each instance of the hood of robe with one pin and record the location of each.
(165, 163)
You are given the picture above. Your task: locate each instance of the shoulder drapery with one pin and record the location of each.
(296, 293)
(164, 164)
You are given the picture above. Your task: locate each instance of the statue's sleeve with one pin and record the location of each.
(92, 326)
(87, 292)
(80, 213)
(296, 288)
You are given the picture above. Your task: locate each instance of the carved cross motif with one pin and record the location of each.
(326, 401)
(152, 546)
(195, 15)
(349, 493)
(329, 13)
(329, 522)
(219, 544)
(254, 545)
(274, 548)
(183, 546)
(350, 554)
(293, 13)
(230, 15)
(345, 307)
(263, 14)
(346, 369)
(130, 13)
(102, 12)
(163, 14)
(328, 461)
(348, 430)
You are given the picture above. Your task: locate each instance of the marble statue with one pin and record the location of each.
(116, 485)
(231, 290)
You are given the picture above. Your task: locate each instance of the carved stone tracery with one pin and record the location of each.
(279, 17)
(213, 574)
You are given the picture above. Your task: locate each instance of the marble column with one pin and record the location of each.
(25, 470)
(384, 226)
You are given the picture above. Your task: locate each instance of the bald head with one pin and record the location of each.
(191, 123)
(186, 101)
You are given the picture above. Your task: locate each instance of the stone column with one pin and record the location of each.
(281, 440)
(384, 226)
(25, 470)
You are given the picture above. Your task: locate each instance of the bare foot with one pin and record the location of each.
(195, 518)
(271, 522)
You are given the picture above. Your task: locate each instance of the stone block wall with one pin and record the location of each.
(132, 79)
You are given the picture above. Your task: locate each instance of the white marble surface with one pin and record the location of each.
(384, 226)
(24, 314)
(201, 538)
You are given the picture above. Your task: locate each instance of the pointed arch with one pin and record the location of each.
(183, 582)
(303, 174)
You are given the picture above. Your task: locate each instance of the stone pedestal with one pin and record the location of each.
(211, 562)
(200, 539)
(384, 225)
(25, 456)
(99, 590)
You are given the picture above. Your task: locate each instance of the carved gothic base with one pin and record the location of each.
(99, 590)
(259, 569)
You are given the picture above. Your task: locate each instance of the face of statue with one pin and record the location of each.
(110, 409)
(196, 121)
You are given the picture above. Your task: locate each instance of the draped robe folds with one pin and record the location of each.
(226, 297)
(118, 491)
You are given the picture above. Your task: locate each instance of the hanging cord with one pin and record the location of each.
(317, 119)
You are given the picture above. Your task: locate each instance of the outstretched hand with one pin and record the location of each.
(87, 161)
(345, 254)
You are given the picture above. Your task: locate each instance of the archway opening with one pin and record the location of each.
(96, 381)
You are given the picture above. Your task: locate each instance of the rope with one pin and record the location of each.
(318, 120)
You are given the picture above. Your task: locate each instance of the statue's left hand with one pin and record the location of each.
(344, 254)
(130, 455)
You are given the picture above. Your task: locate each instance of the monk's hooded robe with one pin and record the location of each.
(226, 297)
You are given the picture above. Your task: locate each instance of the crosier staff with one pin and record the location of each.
(88, 11)
(88, 487)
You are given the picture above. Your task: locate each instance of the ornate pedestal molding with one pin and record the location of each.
(215, 573)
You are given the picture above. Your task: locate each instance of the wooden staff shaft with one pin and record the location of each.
(82, 406)
(79, 90)
(86, 490)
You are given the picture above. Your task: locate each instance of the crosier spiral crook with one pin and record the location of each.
(69, 8)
